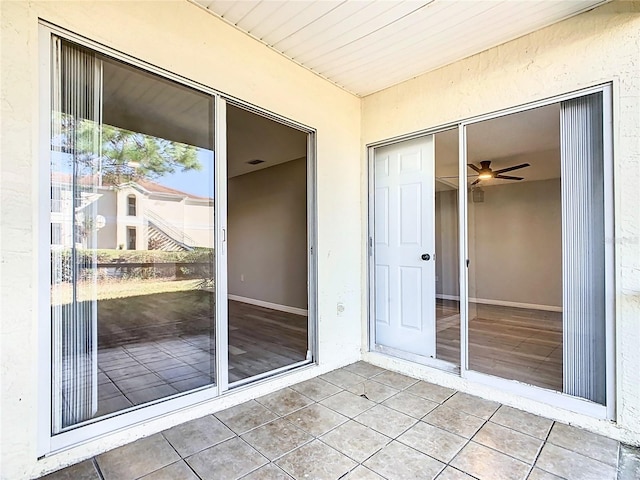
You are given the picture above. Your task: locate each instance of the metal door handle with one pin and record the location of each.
(425, 256)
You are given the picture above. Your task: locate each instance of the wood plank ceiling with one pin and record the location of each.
(365, 46)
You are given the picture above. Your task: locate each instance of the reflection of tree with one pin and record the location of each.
(127, 155)
(120, 155)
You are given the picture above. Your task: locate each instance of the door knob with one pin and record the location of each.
(425, 256)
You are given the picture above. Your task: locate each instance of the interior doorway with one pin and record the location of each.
(267, 258)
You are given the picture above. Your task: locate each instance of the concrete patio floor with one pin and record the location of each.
(361, 422)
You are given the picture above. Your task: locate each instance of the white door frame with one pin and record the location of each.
(559, 399)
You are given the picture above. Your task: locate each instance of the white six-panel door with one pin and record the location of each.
(404, 250)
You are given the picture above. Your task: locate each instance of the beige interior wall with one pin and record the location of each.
(515, 244)
(267, 228)
(598, 46)
(515, 248)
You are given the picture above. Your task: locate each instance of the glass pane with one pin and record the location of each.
(447, 247)
(132, 225)
(515, 247)
(267, 244)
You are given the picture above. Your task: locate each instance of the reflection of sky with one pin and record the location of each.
(195, 182)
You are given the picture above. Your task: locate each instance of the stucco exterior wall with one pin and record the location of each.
(595, 47)
(182, 38)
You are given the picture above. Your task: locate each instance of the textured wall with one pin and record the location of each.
(598, 46)
(184, 39)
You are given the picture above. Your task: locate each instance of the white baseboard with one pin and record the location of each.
(272, 306)
(504, 303)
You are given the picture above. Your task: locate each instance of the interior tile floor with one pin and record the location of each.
(361, 422)
(513, 343)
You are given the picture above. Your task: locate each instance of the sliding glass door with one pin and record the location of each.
(538, 214)
(132, 237)
(267, 224)
(155, 295)
(523, 269)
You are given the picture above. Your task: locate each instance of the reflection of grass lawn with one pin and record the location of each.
(109, 289)
(152, 313)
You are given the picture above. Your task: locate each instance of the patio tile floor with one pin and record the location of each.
(361, 423)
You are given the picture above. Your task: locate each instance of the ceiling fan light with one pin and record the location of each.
(485, 176)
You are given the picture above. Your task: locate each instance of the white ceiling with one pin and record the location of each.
(367, 45)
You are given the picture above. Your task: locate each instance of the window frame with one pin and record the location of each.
(132, 205)
(608, 411)
(47, 443)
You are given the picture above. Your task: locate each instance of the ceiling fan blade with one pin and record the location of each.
(477, 181)
(456, 176)
(507, 177)
(508, 169)
(473, 167)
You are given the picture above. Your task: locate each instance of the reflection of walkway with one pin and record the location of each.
(154, 346)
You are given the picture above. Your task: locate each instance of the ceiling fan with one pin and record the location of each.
(484, 171)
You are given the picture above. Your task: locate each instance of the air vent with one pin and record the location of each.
(255, 162)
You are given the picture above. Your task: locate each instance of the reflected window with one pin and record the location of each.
(131, 205)
(56, 199)
(131, 238)
(56, 234)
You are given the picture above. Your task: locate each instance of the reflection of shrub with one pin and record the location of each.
(132, 264)
(154, 244)
(62, 271)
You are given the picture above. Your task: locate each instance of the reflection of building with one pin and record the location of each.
(138, 215)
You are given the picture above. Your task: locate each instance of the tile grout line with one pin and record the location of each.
(97, 467)
(468, 441)
(181, 459)
(395, 439)
(544, 442)
(349, 418)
